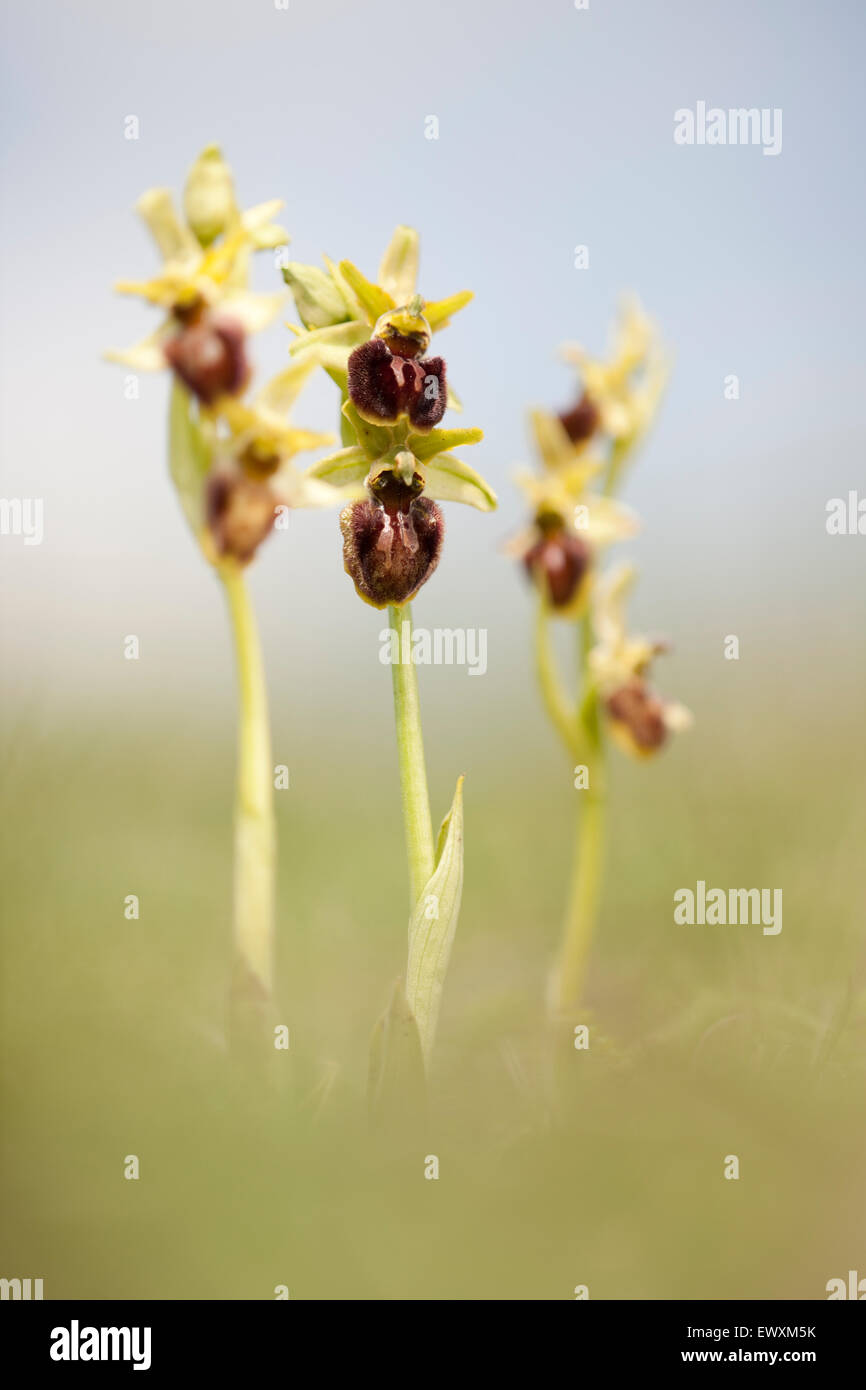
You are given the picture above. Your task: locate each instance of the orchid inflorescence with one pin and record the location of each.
(396, 465)
(231, 451)
(584, 451)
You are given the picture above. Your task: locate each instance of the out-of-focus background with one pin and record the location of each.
(555, 130)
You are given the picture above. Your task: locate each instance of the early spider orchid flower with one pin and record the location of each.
(640, 721)
(571, 524)
(340, 310)
(203, 283)
(618, 396)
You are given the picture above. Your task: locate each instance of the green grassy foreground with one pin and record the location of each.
(705, 1042)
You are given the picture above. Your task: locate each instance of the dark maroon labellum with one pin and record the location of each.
(391, 546)
(240, 514)
(558, 562)
(581, 422)
(642, 712)
(208, 356)
(384, 386)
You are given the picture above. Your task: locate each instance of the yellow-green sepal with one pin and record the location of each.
(449, 479)
(355, 307)
(345, 470)
(551, 439)
(373, 299)
(331, 347)
(398, 272)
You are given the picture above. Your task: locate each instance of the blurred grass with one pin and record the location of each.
(705, 1041)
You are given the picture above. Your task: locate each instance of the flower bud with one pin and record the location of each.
(317, 299)
(581, 422)
(208, 355)
(638, 716)
(383, 386)
(558, 562)
(209, 196)
(240, 514)
(391, 541)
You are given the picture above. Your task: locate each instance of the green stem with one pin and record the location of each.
(410, 753)
(582, 909)
(587, 867)
(557, 703)
(619, 456)
(255, 834)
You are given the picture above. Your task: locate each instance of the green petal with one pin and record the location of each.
(438, 313)
(433, 924)
(375, 440)
(374, 300)
(188, 457)
(398, 273)
(426, 446)
(451, 480)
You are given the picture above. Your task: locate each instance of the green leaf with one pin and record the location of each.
(374, 300)
(427, 446)
(189, 457)
(395, 1083)
(451, 480)
(433, 924)
(375, 440)
(398, 272)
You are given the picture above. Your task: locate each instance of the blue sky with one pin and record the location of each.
(555, 129)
